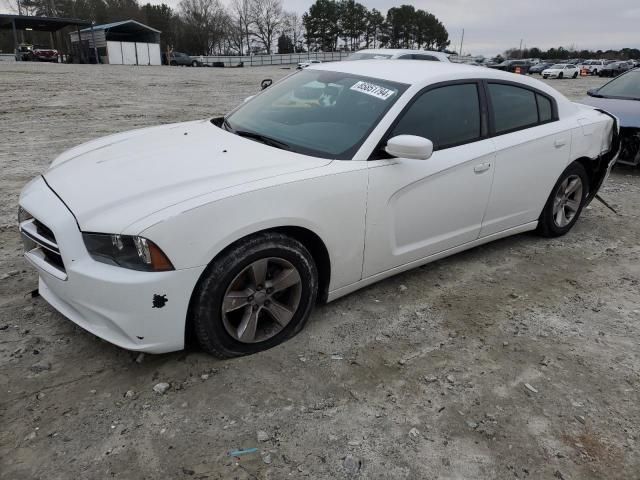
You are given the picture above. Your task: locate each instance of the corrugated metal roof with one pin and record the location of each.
(109, 26)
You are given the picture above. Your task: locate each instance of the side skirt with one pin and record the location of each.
(340, 292)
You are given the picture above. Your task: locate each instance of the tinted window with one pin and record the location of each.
(425, 57)
(447, 116)
(513, 107)
(544, 108)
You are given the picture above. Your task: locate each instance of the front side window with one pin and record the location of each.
(315, 112)
(447, 116)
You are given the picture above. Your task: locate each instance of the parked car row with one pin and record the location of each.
(602, 68)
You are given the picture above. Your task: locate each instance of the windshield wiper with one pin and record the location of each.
(272, 142)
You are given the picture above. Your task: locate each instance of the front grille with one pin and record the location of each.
(40, 241)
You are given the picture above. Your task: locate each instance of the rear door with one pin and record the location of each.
(532, 149)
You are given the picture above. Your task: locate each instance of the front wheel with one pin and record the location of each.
(195, 64)
(560, 75)
(575, 75)
(256, 295)
(565, 202)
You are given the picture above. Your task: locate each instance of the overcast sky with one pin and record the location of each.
(492, 26)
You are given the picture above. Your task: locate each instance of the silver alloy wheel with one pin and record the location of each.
(261, 300)
(567, 201)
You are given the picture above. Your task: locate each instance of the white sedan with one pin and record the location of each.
(335, 177)
(308, 63)
(561, 70)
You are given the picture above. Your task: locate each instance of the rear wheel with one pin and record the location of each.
(255, 296)
(173, 63)
(575, 75)
(560, 75)
(194, 63)
(565, 202)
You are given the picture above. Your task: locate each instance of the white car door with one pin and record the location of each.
(532, 149)
(417, 208)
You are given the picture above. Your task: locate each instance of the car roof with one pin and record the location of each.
(421, 73)
(397, 51)
(416, 71)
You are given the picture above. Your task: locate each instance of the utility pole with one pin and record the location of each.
(520, 48)
(461, 42)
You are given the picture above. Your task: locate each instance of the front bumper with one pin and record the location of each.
(141, 311)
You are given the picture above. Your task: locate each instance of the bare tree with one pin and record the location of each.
(204, 20)
(242, 12)
(294, 28)
(267, 17)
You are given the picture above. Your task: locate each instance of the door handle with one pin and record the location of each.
(483, 167)
(560, 143)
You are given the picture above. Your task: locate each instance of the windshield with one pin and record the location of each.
(368, 56)
(627, 86)
(558, 65)
(316, 112)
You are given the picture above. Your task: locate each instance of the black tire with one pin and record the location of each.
(173, 63)
(560, 75)
(206, 303)
(595, 72)
(575, 75)
(547, 226)
(195, 63)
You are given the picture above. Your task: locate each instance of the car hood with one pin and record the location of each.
(114, 181)
(627, 111)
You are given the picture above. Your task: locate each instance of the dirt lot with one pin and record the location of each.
(422, 376)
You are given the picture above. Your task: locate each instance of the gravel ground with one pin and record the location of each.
(518, 359)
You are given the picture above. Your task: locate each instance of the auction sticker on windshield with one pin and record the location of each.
(373, 90)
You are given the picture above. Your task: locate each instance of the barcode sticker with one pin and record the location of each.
(373, 90)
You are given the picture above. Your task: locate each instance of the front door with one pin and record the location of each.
(417, 208)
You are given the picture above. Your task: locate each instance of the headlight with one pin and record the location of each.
(136, 253)
(23, 215)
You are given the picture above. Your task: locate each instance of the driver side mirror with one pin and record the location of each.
(592, 92)
(409, 146)
(266, 83)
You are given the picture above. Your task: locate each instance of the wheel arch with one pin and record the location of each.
(312, 242)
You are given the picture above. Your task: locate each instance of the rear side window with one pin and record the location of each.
(513, 107)
(447, 116)
(544, 108)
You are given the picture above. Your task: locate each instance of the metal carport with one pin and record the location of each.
(40, 24)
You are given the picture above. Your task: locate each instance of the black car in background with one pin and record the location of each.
(621, 97)
(538, 68)
(513, 66)
(614, 69)
(179, 58)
